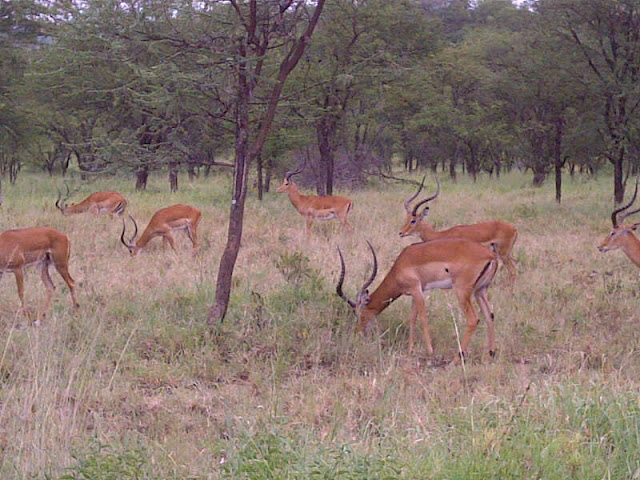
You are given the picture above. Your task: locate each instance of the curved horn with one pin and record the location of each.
(135, 232)
(58, 201)
(130, 243)
(375, 268)
(124, 228)
(410, 199)
(428, 199)
(64, 201)
(614, 214)
(298, 170)
(339, 291)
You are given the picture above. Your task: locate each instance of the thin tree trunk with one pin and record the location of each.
(245, 153)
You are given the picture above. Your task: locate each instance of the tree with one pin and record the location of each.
(263, 31)
(606, 35)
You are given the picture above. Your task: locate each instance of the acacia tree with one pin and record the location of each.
(266, 32)
(606, 35)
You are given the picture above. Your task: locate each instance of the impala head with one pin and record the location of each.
(620, 233)
(287, 179)
(414, 218)
(131, 243)
(362, 298)
(61, 202)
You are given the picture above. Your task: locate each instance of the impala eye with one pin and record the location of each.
(413, 221)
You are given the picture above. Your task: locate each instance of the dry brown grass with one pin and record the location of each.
(137, 366)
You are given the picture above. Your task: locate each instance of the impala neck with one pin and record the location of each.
(295, 196)
(427, 232)
(144, 239)
(631, 247)
(383, 296)
(76, 208)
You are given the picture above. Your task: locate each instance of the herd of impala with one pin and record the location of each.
(463, 258)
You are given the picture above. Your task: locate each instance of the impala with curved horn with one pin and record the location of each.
(466, 267)
(98, 203)
(622, 236)
(39, 247)
(502, 234)
(313, 207)
(162, 224)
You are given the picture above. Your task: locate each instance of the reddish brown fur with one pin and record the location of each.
(39, 246)
(465, 266)
(502, 234)
(164, 222)
(313, 207)
(98, 203)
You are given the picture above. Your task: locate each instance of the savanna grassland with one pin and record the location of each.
(136, 384)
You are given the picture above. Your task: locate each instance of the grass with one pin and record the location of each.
(136, 385)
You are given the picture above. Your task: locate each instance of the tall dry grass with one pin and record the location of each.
(136, 385)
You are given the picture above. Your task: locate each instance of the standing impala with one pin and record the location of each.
(97, 203)
(622, 236)
(163, 223)
(313, 207)
(39, 247)
(502, 234)
(466, 267)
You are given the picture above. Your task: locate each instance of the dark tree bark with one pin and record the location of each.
(558, 160)
(173, 177)
(245, 149)
(142, 175)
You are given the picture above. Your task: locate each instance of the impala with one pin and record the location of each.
(313, 207)
(97, 203)
(163, 223)
(465, 266)
(622, 236)
(40, 247)
(502, 234)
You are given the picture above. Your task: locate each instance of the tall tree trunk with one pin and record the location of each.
(557, 153)
(236, 215)
(618, 176)
(142, 175)
(246, 152)
(173, 177)
(259, 174)
(325, 133)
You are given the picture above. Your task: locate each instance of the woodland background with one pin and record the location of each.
(527, 113)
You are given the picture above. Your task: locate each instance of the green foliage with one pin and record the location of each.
(102, 462)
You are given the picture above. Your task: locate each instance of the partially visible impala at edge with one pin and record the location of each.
(466, 267)
(622, 236)
(162, 224)
(313, 207)
(98, 203)
(39, 247)
(502, 234)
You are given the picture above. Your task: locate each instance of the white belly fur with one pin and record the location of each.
(441, 284)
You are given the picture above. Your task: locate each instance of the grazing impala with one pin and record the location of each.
(163, 223)
(466, 267)
(622, 236)
(97, 203)
(312, 207)
(502, 234)
(40, 247)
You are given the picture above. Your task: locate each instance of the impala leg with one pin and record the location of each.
(419, 309)
(193, 236)
(169, 238)
(63, 270)
(464, 297)
(481, 297)
(48, 283)
(309, 223)
(19, 273)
